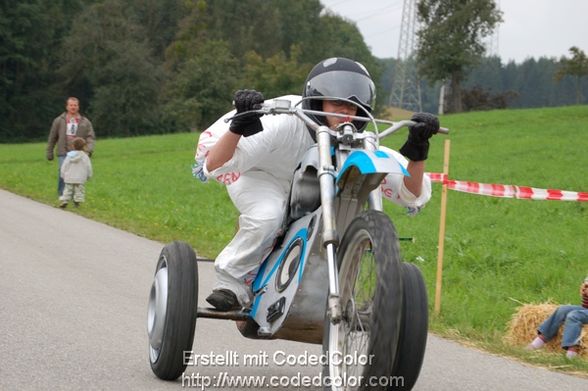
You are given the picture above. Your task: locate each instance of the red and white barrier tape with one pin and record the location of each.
(508, 191)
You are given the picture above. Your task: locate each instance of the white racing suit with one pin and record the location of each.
(258, 179)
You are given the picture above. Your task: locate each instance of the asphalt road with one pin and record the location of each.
(73, 302)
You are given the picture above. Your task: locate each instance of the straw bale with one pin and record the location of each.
(523, 328)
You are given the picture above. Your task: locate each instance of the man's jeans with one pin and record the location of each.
(60, 183)
(574, 316)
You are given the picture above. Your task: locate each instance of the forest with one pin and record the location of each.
(161, 66)
(493, 84)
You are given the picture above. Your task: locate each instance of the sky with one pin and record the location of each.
(531, 28)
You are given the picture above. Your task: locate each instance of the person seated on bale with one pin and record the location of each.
(574, 318)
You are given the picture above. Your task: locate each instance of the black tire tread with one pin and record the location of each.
(413, 330)
(182, 302)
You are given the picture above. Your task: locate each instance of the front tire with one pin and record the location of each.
(370, 289)
(171, 316)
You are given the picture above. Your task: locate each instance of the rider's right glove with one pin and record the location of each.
(248, 124)
(416, 148)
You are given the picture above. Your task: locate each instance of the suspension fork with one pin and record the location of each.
(327, 175)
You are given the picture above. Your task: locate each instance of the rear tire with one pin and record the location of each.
(171, 317)
(413, 330)
(370, 288)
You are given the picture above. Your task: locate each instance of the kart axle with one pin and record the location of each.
(214, 314)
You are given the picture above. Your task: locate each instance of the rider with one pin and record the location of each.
(257, 157)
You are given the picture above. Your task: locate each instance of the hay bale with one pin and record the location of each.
(523, 328)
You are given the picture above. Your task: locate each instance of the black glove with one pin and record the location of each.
(248, 124)
(416, 148)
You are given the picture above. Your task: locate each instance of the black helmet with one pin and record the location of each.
(339, 77)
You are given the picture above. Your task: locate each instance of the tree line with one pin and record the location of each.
(494, 84)
(451, 50)
(152, 66)
(155, 66)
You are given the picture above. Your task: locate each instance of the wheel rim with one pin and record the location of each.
(157, 311)
(350, 338)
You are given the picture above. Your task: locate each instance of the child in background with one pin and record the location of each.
(75, 171)
(574, 318)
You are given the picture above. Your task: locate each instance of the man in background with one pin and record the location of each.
(65, 128)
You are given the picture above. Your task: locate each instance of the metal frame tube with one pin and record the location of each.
(326, 174)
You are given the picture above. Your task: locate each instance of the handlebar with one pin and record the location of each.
(284, 106)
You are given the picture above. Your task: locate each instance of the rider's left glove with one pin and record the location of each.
(248, 124)
(416, 147)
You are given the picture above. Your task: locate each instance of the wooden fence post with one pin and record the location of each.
(441, 244)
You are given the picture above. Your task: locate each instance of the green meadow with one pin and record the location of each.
(499, 253)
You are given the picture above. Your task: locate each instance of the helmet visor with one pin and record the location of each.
(343, 84)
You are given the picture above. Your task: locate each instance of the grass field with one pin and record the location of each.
(498, 252)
